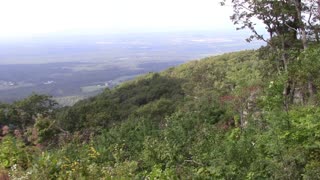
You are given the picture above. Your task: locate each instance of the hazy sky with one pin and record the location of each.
(34, 17)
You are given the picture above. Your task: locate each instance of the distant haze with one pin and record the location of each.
(131, 47)
(27, 18)
(74, 66)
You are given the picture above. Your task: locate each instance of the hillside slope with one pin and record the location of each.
(220, 117)
(204, 80)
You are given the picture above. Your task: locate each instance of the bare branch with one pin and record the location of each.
(290, 27)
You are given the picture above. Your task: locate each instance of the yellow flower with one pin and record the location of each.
(93, 153)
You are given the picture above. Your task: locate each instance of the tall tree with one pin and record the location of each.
(291, 25)
(279, 19)
(285, 19)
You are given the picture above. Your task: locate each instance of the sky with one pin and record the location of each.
(21, 18)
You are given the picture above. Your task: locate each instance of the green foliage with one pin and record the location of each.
(45, 128)
(113, 106)
(273, 97)
(158, 173)
(183, 123)
(13, 153)
(23, 113)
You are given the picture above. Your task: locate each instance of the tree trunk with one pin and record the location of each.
(283, 54)
(311, 90)
(316, 32)
(302, 28)
(298, 6)
(319, 8)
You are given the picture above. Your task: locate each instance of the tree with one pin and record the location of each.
(286, 21)
(291, 24)
(24, 112)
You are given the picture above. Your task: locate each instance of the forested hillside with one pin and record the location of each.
(220, 117)
(244, 115)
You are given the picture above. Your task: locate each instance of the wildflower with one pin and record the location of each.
(93, 153)
(271, 84)
(14, 167)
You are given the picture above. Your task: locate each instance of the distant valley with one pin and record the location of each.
(74, 67)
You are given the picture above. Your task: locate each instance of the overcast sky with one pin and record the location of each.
(34, 17)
